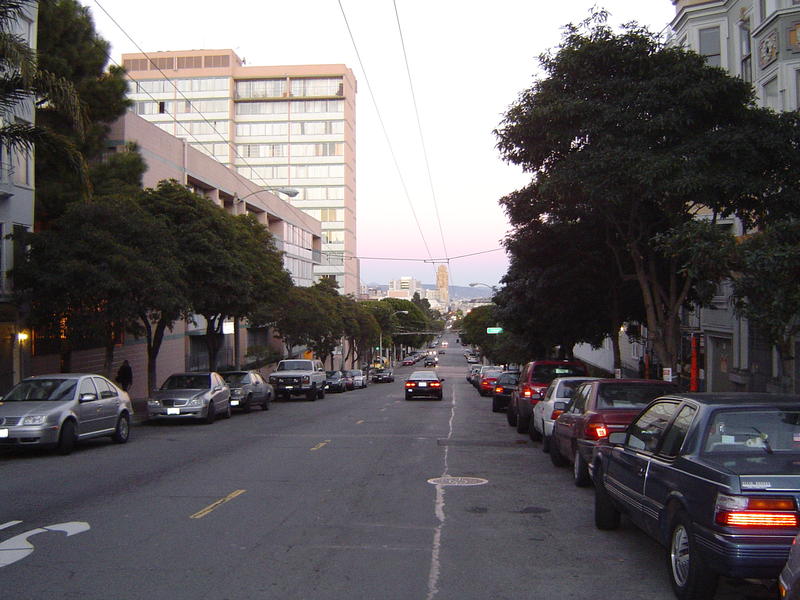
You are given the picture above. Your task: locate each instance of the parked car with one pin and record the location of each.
(505, 386)
(191, 396)
(598, 408)
(299, 377)
(60, 409)
(542, 419)
(349, 384)
(713, 477)
(335, 382)
(431, 361)
(533, 382)
(423, 384)
(789, 579)
(473, 372)
(407, 361)
(360, 379)
(383, 376)
(476, 380)
(248, 388)
(473, 359)
(488, 381)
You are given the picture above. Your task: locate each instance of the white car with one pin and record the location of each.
(560, 390)
(360, 379)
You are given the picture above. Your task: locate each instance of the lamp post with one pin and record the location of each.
(380, 343)
(492, 287)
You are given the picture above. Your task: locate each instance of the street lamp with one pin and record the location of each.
(380, 344)
(493, 287)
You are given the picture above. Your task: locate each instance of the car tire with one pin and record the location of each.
(247, 404)
(265, 403)
(533, 433)
(556, 458)
(691, 579)
(229, 411)
(123, 429)
(523, 424)
(606, 515)
(511, 416)
(211, 413)
(321, 393)
(67, 437)
(580, 471)
(496, 406)
(546, 444)
(311, 394)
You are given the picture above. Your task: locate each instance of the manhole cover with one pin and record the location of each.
(461, 481)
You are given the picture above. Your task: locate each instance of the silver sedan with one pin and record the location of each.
(191, 396)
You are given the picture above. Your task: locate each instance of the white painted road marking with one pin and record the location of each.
(19, 547)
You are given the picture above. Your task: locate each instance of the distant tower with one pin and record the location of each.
(443, 284)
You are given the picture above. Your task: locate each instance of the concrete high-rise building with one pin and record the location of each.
(280, 126)
(443, 284)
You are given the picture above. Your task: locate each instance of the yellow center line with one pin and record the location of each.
(217, 504)
(359, 422)
(320, 445)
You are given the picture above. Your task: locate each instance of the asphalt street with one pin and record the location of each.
(319, 500)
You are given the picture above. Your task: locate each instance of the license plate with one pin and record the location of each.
(289, 387)
(423, 384)
(173, 411)
(3, 433)
(234, 403)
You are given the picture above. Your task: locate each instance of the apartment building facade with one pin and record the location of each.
(279, 126)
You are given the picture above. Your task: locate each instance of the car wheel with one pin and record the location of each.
(606, 515)
(247, 406)
(545, 444)
(265, 403)
(229, 411)
(211, 413)
(523, 424)
(123, 429)
(691, 579)
(511, 415)
(321, 393)
(580, 472)
(556, 458)
(533, 432)
(67, 438)
(496, 405)
(311, 394)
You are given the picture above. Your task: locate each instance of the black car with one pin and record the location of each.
(431, 361)
(335, 381)
(423, 384)
(713, 477)
(383, 376)
(501, 393)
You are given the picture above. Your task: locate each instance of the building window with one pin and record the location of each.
(797, 85)
(135, 64)
(318, 87)
(167, 62)
(190, 62)
(745, 48)
(261, 88)
(261, 108)
(22, 173)
(710, 46)
(771, 96)
(217, 61)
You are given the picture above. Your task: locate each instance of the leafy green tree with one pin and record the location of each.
(70, 49)
(639, 137)
(767, 286)
(310, 317)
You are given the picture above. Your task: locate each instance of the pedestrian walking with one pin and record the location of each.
(125, 375)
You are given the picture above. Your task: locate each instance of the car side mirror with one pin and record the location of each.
(617, 438)
(562, 406)
(442, 379)
(217, 388)
(87, 397)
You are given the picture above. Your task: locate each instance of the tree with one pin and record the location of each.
(70, 49)
(310, 317)
(641, 138)
(766, 287)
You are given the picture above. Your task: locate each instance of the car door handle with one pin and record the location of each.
(641, 471)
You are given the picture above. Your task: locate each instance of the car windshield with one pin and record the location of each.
(186, 382)
(494, 374)
(233, 378)
(546, 373)
(618, 395)
(294, 365)
(753, 431)
(53, 390)
(567, 388)
(332, 374)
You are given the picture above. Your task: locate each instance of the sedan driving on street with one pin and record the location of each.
(191, 396)
(714, 478)
(60, 409)
(423, 384)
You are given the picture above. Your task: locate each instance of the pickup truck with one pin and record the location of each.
(299, 377)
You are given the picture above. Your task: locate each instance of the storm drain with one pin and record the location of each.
(483, 443)
(458, 481)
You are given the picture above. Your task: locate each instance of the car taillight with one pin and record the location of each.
(744, 511)
(436, 384)
(527, 392)
(498, 389)
(555, 414)
(596, 431)
(410, 384)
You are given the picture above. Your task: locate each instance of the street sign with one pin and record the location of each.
(494, 330)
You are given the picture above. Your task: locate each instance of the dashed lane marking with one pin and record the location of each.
(320, 445)
(214, 505)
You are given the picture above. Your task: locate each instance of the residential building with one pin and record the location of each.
(279, 126)
(16, 215)
(296, 233)
(758, 41)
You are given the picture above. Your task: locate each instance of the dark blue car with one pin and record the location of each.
(713, 477)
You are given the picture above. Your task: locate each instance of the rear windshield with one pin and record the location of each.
(753, 431)
(233, 378)
(494, 374)
(508, 378)
(546, 373)
(567, 388)
(614, 395)
(294, 365)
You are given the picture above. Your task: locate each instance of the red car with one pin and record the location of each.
(597, 409)
(488, 382)
(408, 361)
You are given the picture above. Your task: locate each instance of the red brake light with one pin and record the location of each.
(596, 431)
(498, 389)
(410, 384)
(436, 384)
(555, 414)
(527, 393)
(739, 511)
